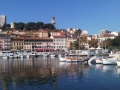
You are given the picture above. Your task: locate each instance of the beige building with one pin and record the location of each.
(17, 43)
(55, 33)
(43, 34)
(69, 41)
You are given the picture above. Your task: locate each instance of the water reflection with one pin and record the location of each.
(22, 72)
(45, 72)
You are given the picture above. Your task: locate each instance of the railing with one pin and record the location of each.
(7, 43)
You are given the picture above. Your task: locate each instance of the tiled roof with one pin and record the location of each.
(18, 38)
(38, 39)
(32, 39)
(62, 33)
(109, 35)
(58, 36)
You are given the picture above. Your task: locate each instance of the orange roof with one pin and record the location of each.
(62, 32)
(38, 38)
(109, 35)
(45, 31)
(18, 38)
(58, 36)
(23, 35)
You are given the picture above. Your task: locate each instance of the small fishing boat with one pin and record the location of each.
(74, 59)
(69, 59)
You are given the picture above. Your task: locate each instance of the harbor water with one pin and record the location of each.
(44, 73)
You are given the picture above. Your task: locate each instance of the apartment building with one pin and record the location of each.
(38, 44)
(5, 41)
(17, 43)
(60, 42)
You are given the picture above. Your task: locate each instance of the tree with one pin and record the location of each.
(79, 31)
(76, 45)
(19, 26)
(39, 25)
(93, 43)
(4, 27)
(7, 25)
(49, 26)
(31, 26)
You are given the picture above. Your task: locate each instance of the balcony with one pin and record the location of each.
(7, 43)
(8, 46)
(7, 40)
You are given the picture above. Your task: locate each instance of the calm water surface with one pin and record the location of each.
(50, 74)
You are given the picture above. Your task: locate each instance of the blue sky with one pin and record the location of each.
(91, 15)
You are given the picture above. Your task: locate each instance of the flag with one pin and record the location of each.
(84, 33)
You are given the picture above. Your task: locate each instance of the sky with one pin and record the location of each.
(90, 15)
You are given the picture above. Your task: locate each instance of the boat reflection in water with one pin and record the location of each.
(49, 74)
(17, 73)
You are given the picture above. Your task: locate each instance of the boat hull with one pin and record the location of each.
(72, 59)
(118, 63)
(99, 61)
(62, 59)
(114, 61)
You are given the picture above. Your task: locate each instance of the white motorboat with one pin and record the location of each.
(5, 57)
(17, 56)
(21, 56)
(62, 59)
(11, 56)
(118, 63)
(27, 56)
(46, 54)
(99, 60)
(110, 60)
(52, 55)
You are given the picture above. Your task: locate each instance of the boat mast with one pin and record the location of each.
(79, 42)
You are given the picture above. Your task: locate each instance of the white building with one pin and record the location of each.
(72, 30)
(2, 20)
(12, 24)
(59, 42)
(114, 33)
(102, 32)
